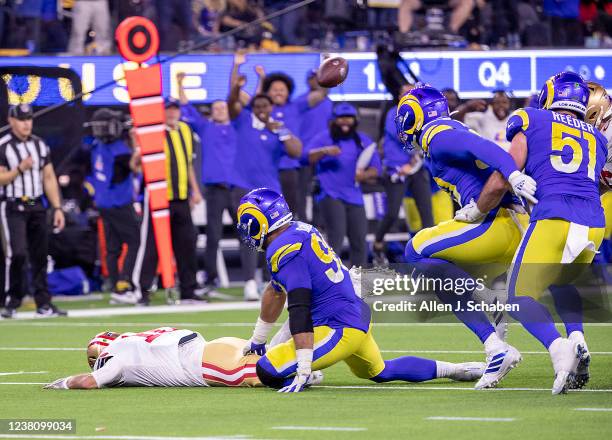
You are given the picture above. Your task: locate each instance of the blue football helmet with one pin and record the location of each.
(261, 211)
(416, 108)
(565, 91)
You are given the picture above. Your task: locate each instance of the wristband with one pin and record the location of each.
(284, 134)
(262, 331)
(304, 360)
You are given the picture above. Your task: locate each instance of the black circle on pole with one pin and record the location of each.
(131, 43)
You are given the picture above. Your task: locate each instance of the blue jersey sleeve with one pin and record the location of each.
(192, 116)
(451, 145)
(517, 123)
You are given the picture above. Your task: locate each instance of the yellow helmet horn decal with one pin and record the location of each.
(550, 93)
(251, 209)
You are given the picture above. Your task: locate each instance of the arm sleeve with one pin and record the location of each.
(109, 374)
(517, 122)
(462, 144)
(298, 305)
(190, 115)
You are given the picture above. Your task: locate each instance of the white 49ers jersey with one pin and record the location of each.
(163, 357)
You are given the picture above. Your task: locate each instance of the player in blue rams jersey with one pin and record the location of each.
(565, 156)
(462, 163)
(329, 323)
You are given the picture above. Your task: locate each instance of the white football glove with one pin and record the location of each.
(59, 384)
(523, 186)
(304, 369)
(469, 213)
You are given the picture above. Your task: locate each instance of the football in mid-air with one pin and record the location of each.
(332, 72)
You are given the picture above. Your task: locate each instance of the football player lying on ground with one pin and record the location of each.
(165, 357)
(328, 321)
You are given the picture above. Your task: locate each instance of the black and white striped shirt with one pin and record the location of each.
(12, 152)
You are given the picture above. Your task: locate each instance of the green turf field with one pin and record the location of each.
(365, 410)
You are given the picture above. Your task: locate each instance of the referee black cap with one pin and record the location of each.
(23, 112)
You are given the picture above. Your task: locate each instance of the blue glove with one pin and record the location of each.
(252, 347)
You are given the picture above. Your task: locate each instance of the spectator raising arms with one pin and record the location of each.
(219, 144)
(338, 154)
(279, 87)
(261, 144)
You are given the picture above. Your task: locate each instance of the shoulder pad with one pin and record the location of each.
(517, 122)
(431, 132)
(283, 255)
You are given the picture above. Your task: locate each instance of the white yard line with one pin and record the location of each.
(447, 388)
(24, 383)
(152, 310)
(41, 349)
(473, 419)
(594, 409)
(318, 428)
(17, 373)
(118, 437)
(39, 323)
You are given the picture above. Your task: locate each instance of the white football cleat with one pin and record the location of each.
(565, 356)
(499, 364)
(468, 371)
(250, 291)
(582, 370)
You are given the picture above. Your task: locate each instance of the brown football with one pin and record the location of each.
(332, 72)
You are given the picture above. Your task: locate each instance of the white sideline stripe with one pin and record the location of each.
(604, 353)
(473, 419)
(24, 383)
(120, 437)
(17, 373)
(195, 308)
(594, 409)
(318, 428)
(152, 310)
(40, 349)
(443, 388)
(125, 324)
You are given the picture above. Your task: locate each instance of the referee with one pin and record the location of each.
(26, 173)
(183, 192)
